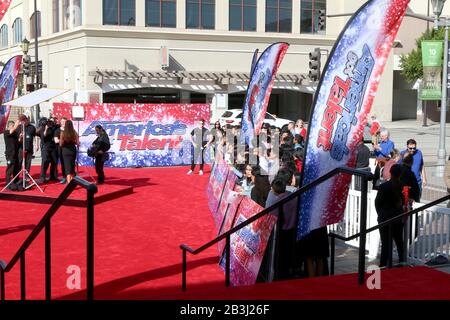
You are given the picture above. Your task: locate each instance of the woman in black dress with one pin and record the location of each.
(68, 142)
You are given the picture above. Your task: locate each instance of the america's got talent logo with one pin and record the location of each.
(344, 101)
(142, 136)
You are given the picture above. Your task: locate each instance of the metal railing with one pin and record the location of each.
(388, 223)
(350, 224)
(45, 223)
(365, 177)
(430, 235)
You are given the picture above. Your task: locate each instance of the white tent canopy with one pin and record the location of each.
(36, 97)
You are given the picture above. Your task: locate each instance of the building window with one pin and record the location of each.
(200, 14)
(243, 15)
(278, 15)
(71, 11)
(32, 26)
(309, 15)
(161, 13)
(56, 13)
(17, 31)
(119, 12)
(67, 14)
(4, 36)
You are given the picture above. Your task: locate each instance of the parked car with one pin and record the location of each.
(233, 117)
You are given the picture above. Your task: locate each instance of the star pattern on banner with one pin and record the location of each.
(4, 5)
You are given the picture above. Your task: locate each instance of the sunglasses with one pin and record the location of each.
(412, 148)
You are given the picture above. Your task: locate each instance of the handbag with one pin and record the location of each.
(92, 151)
(380, 180)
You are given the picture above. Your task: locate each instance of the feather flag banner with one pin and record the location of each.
(8, 82)
(341, 105)
(259, 89)
(4, 6)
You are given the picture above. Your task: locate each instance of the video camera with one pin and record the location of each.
(46, 122)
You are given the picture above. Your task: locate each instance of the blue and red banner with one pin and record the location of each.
(259, 89)
(218, 184)
(342, 102)
(254, 60)
(248, 244)
(8, 82)
(141, 135)
(4, 5)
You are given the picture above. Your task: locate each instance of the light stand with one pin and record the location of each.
(438, 6)
(23, 171)
(79, 115)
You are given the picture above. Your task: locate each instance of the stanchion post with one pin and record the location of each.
(362, 230)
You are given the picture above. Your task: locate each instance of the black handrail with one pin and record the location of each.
(366, 175)
(387, 223)
(45, 223)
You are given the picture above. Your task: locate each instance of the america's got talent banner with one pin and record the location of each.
(248, 244)
(216, 188)
(141, 135)
(342, 102)
(259, 89)
(8, 82)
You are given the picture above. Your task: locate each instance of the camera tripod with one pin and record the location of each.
(24, 172)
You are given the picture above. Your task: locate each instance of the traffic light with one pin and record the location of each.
(314, 65)
(322, 19)
(26, 65)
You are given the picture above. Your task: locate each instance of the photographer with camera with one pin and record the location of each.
(98, 150)
(49, 157)
(11, 137)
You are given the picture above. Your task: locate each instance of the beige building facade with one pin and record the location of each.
(187, 51)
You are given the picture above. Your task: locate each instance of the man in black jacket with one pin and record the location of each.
(11, 137)
(48, 150)
(102, 145)
(408, 178)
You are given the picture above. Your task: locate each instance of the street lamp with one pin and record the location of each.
(438, 5)
(25, 46)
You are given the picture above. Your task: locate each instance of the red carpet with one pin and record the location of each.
(137, 255)
(137, 237)
(412, 283)
(51, 191)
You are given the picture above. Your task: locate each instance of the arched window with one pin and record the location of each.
(17, 31)
(4, 36)
(32, 29)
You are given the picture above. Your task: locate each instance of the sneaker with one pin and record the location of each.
(201, 172)
(63, 181)
(190, 172)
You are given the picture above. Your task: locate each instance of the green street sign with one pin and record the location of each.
(432, 53)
